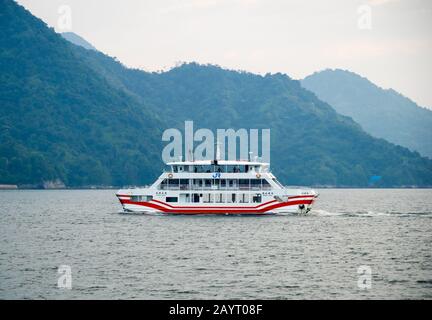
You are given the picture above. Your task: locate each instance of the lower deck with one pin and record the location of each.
(216, 203)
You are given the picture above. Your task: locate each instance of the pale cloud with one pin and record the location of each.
(376, 49)
(203, 5)
(380, 2)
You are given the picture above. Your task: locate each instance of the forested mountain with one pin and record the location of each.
(59, 118)
(382, 113)
(82, 117)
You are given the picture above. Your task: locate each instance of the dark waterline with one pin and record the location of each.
(120, 256)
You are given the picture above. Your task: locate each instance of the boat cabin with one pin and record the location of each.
(217, 166)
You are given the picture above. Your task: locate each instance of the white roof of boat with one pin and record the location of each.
(220, 162)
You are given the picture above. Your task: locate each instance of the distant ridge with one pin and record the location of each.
(77, 40)
(383, 113)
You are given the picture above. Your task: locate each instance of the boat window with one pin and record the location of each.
(257, 198)
(244, 184)
(220, 198)
(207, 198)
(243, 198)
(184, 184)
(173, 183)
(231, 183)
(265, 184)
(207, 168)
(171, 199)
(232, 168)
(197, 183)
(141, 198)
(184, 197)
(196, 197)
(175, 169)
(256, 184)
(163, 184)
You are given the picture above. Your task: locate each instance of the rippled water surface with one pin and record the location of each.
(122, 256)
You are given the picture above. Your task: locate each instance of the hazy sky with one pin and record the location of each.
(392, 49)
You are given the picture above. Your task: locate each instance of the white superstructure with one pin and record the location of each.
(217, 187)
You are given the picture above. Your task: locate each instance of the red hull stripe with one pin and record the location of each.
(215, 207)
(293, 197)
(203, 210)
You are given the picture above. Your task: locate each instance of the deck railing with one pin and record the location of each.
(214, 187)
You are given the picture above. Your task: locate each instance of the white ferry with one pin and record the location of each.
(217, 187)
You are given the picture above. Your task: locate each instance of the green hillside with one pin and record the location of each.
(382, 113)
(60, 119)
(80, 116)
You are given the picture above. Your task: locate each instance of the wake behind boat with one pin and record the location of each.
(217, 187)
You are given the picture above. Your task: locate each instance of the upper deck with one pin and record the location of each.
(221, 166)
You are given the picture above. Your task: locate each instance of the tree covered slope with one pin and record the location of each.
(60, 119)
(82, 117)
(382, 113)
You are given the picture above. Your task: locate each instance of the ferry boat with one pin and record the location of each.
(217, 187)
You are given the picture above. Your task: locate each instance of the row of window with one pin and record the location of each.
(216, 182)
(207, 198)
(215, 168)
(216, 198)
(141, 198)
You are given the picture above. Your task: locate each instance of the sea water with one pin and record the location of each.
(355, 244)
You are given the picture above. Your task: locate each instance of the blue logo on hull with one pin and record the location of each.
(216, 175)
